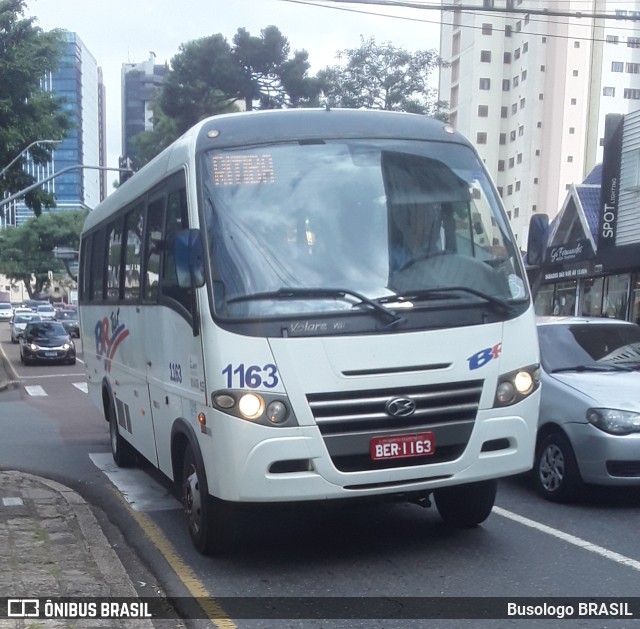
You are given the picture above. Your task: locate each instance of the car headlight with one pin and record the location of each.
(614, 421)
(516, 385)
(33, 347)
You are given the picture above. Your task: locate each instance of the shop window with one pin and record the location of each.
(544, 300)
(564, 298)
(616, 296)
(591, 297)
(635, 299)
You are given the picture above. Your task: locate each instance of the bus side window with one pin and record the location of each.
(114, 259)
(134, 231)
(153, 249)
(177, 219)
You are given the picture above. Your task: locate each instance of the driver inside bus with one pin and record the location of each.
(415, 234)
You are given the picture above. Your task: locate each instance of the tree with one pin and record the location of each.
(26, 252)
(209, 76)
(27, 112)
(383, 76)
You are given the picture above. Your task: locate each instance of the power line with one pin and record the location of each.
(489, 9)
(468, 26)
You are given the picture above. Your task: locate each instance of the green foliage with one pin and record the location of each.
(27, 113)
(209, 76)
(382, 76)
(26, 252)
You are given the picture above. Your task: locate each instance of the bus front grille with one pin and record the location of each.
(348, 421)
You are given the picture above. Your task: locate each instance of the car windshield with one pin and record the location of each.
(25, 318)
(314, 227)
(584, 346)
(66, 314)
(46, 329)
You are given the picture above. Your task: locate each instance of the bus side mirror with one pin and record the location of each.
(189, 257)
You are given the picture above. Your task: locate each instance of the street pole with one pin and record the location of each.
(38, 183)
(23, 151)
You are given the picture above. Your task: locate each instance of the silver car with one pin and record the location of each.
(19, 323)
(589, 426)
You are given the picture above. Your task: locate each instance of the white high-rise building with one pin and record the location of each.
(530, 83)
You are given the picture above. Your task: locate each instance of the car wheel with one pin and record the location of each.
(122, 451)
(556, 473)
(466, 506)
(210, 520)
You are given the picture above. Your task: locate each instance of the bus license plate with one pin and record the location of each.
(401, 446)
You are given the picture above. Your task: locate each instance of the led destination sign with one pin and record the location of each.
(235, 170)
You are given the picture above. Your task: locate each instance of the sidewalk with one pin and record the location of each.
(52, 546)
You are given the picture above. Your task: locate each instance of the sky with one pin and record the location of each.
(126, 31)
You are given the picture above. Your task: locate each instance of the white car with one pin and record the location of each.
(19, 323)
(6, 312)
(589, 428)
(46, 312)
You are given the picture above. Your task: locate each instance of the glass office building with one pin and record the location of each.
(78, 82)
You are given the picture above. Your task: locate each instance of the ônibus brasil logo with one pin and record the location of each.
(109, 334)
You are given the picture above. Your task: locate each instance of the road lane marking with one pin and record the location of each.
(123, 481)
(571, 539)
(35, 390)
(135, 485)
(83, 386)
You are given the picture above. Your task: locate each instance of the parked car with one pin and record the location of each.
(19, 323)
(589, 426)
(69, 319)
(6, 311)
(46, 311)
(46, 341)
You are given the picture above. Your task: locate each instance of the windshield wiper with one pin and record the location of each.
(581, 368)
(443, 293)
(321, 293)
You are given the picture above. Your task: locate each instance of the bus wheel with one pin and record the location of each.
(466, 506)
(209, 519)
(123, 453)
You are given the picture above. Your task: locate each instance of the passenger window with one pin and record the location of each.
(114, 260)
(133, 254)
(153, 249)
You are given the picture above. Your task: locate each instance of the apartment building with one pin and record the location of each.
(531, 82)
(140, 84)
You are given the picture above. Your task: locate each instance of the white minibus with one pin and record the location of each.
(312, 305)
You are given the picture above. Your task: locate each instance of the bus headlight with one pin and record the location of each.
(516, 385)
(277, 412)
(267, 409)
(251, 405)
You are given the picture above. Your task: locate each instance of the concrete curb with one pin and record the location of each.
(103, 554)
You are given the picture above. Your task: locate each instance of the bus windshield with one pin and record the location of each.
(300, 227)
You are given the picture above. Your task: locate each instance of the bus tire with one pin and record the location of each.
(123, 453)
(210, 520)
(466, 506)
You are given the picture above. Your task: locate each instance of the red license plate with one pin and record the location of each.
(401, 446)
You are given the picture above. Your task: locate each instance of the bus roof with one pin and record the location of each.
(274, 125)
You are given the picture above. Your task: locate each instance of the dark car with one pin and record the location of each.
(46, 341)
(69, 319)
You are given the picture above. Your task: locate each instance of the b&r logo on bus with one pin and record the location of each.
(107, 343)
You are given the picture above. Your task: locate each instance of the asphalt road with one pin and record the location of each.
(527, 548)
